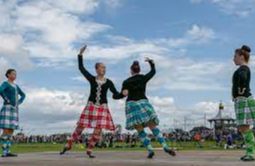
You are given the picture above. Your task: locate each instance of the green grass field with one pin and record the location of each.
(43, 147)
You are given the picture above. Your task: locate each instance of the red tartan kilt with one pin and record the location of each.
(96, 116)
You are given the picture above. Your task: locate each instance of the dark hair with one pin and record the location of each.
(135, 67)
(97, 65)
(245, 52)
(9, 71)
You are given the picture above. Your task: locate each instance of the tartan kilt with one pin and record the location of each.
(96, 116)
(9, 117)
(245, 111)
(140, 112)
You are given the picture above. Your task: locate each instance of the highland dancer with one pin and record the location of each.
(139, 112)
(244, 102)
(13, 96)
(96, 114)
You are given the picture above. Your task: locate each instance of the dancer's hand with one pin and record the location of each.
(125, 92)
(148, 60)
(82, 50)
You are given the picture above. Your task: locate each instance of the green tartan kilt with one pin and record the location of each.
(245, 111)
(9, 117)
(140, 113)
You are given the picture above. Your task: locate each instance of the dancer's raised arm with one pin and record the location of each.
(82, 69)
(152, 72)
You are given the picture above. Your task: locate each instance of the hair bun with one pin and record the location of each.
(135, 67)
(135, 63)
(246, 48)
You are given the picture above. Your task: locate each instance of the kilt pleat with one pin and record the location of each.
(96, 116)
(245, 111)
(9, 117)
(140, 112)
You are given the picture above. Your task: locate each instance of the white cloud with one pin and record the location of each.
(44, 109)
(173, 116)
(3, 67)
(165, 108)
(195, 35)
(113, 3)
(55, 30)
(12, 53)
(185, 73)
(232, 7)
(74, 6)
(124, 51)
(201, 34)
(211, 109)
(10, 43)
(46, 29)
(121, 47)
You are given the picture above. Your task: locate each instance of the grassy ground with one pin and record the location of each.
(42, 147)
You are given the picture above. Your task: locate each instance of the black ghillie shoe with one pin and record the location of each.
(64, 150)
(151, 155)
(89, 153)
(67, 147)
(248, 158)
(243, 157)
(170, 152)
(10, 155)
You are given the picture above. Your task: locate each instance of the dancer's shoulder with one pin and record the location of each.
(244, 68)
(137, 77)
(5, 83)
(109, 81)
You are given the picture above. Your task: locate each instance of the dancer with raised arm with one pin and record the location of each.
(12, 96)
(244, 102)
(96, 114)
(139, 112)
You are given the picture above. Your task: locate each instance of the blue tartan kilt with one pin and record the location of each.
(140, 113)
(9, 117)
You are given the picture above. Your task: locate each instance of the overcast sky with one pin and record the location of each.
(192, 42)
